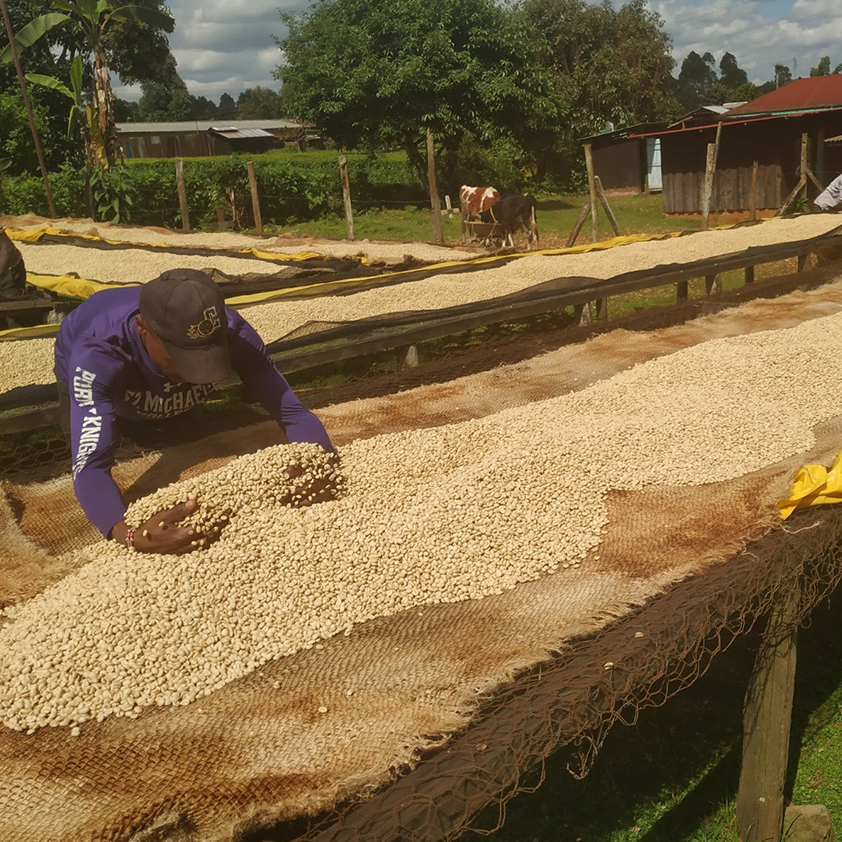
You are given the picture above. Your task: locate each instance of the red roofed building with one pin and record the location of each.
(767, 130)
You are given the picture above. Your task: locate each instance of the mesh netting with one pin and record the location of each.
(452, 705)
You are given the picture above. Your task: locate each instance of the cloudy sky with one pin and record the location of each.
(226, 45)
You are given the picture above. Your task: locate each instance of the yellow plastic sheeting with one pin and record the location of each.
(260, 254)
(69, 286)
(814, 485)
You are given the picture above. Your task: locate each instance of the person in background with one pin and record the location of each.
(152, 352)
(830, 199)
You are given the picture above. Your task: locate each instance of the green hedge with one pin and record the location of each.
(292, 187)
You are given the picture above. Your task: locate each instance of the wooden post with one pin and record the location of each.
(448, 204)
(752, 207)
(707, 189)
(713, 284)
(26, 104)
(255, 200)
(592, 193)
(802, 262)
(182, 195)
(582, 313)
(601, 305)
(767, 719)
(606, 207)
(681, 292)
(346, 195)
(580, 221)
(435, 202)
(749, 274)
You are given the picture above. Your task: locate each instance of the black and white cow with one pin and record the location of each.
(510, 214)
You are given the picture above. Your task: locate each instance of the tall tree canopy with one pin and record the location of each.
(697, 74)
(165, 98)
(373, 74)
(259, 104)
(730, 73)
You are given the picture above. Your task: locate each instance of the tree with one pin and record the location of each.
(783, 75)
(165, 99)
(823, 68)
(377, 75)
(126, 111)
(15, 139)
(202, 108)
(730, 73)
(259, 104)
(697, 75)
(227, 109)
(90, 23)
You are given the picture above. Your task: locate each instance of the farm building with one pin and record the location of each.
(192, 138)
(767, 129)
(626, 162)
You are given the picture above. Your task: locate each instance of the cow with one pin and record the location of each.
(474, 200)
(510, 214)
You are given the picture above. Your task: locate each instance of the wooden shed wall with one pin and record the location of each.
(620, 165)
(775, 144)
(168, 145)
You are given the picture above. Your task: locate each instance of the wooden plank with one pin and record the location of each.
(601, 307)
(681, 292)
(592, 194)
(346, 196)
(802, 261)
(767, 721)
(752, 204)
(580, 221)
(713, 284)
(255, 199)
(606, 207)
(435, 202)
(707, 190)
(182, 195)
(749, 274)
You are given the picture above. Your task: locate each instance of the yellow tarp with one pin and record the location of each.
(35, 236)
(814, 485)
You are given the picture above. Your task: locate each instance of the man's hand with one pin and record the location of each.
(162, 534)
(317, 490)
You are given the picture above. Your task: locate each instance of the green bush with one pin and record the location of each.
(293, 187)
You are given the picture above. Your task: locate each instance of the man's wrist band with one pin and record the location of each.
(130, 538)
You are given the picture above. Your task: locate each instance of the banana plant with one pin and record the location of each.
(92, 18)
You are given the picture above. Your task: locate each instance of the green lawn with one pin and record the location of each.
(673, 776)
(556, 217)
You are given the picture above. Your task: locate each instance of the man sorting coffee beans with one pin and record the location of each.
(149, 353)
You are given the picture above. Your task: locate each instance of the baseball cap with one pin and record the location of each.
(185, 309)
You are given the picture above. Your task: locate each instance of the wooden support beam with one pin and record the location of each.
(580, 221)
(592, 193)
(707, 187)
(767, 720)
(606, 207)
(802, 183)
(255, 199)
(601, 306)
(182, 195)
(346, 196)
(752, 208)
(435, 202)
(713, 284)
(681, 292)
(802, 262)
(749, 274)
(582, 313)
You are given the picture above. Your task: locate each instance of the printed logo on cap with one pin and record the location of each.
(210, 322)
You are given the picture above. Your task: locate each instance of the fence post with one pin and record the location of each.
(448, 205)
(346, 195)
(752, 208)
(707, 189)
(435, 202)
(255, 200)
(182, 195)
(592, 193)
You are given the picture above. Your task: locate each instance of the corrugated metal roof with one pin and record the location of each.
(206, 125)
(837, 139)
(231, 132)
(729, 122)
(807, 94)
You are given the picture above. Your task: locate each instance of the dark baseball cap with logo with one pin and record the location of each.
(185, 309)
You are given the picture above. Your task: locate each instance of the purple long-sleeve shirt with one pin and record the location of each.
(100, 358)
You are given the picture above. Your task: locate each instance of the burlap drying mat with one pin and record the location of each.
(251, 754)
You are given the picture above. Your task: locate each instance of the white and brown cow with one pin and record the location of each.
(510, 214)
(474, 200)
